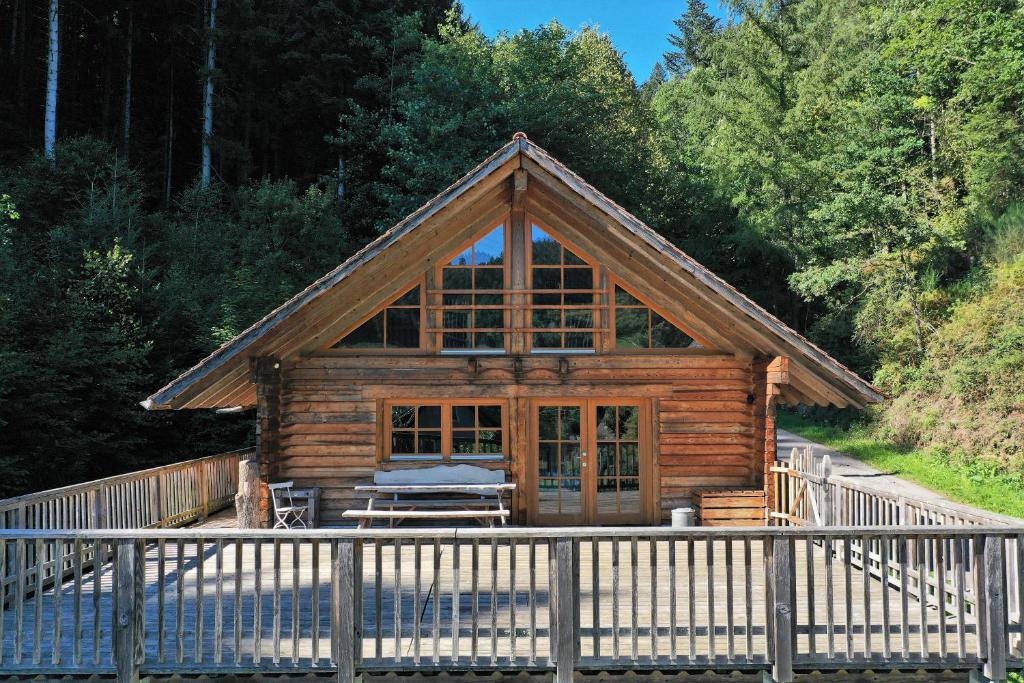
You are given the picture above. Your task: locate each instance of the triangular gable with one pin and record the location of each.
(222, 379)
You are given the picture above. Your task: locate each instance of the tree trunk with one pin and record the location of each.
(247, 501)
(169, 162)
(52, 65)
(126, 124)
(211, 60)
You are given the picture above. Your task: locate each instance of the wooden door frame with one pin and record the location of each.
(588, 479)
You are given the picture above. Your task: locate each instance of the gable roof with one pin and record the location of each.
(222, 378)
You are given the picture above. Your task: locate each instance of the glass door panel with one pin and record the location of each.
(617, 436)
(559, 453)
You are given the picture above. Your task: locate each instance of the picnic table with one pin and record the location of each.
(436, 497)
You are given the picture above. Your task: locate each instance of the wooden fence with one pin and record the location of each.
(348, 601)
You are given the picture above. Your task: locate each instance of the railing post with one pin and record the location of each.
(566, 608)
(994, 616)
(828, 513)
(343, 596)
(204, 492)
(129, 640)
(782, 569)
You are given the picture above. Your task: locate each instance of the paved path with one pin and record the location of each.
(846, 466)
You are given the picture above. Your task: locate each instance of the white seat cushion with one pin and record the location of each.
(440, 474)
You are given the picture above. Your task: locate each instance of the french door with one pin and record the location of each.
(591, 461)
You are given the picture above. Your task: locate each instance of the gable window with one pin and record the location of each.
(446, 430)
(473, 295)
(396, 326)
(638, 326)
(562, 295)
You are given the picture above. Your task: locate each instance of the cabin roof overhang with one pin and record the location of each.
(223, 379)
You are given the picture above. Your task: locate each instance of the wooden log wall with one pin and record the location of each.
(704, 420)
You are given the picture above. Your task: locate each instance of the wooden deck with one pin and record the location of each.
(252, 606)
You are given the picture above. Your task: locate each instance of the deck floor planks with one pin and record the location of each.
(649, 586)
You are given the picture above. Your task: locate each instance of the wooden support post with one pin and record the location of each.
(267, 376)
(519, 244)
(566, 608)
(828, 513)
(995, 614)
(129, 639)
(782, 571)
(247, 500)
(344, 588)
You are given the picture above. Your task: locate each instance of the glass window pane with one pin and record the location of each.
(403, 329)
(570, 499)
(547, 317)
(463, 417)
(463, 442)
(570, 424)
(606, 459)
(488, 340)
(490, 416)
(665, 335)
(579, 278)
(490, 249)
(547, 460)
(579, 319)
(570, 463)
(369, 335)
(546, 278)
(547, 340)
(429, 443)
(429, 416)
(631, 328)
(457, 278)
(489, 319)
(490, 278)
(579, 340)
(544, 250)
(578, 299)
(629, 496)
(410, 298)
(572, 259)
(629, 464)
(629, 422)
(605, 423)
(607, 496)
(489, 441)
(403, 416)
(456, 320)
(403, 443)
(457, 299)
(464, 259)
(547, 422)
(456, 340)
(624, 298)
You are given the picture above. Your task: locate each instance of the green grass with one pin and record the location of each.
(980, 487)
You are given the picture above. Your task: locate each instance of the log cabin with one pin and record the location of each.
(521, 320)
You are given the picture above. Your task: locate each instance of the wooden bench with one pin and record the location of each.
(458, 492)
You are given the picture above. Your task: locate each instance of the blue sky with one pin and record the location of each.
(639, 28)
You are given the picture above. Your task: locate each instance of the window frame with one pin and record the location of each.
(447, 456)
(612, 341)
(420, 282)
(599, 293)
(435, 301)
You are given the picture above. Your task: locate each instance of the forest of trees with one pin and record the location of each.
(852, 165)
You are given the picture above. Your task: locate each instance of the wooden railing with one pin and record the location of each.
(807, 494)
(167, 496)
(161, 497)
(224, 600)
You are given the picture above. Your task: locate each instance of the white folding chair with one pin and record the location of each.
(287, 514)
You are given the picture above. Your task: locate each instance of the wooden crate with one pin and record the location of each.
(730, 507)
